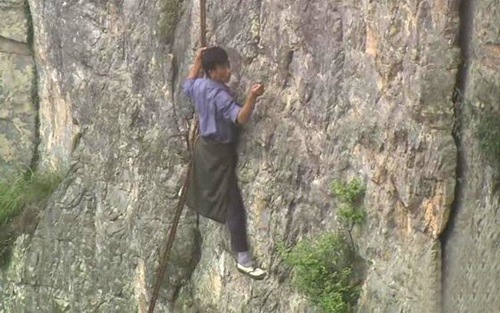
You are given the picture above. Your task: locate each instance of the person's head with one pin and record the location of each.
(215, 63)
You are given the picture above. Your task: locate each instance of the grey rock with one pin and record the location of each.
(18, 115)
(362, 89)
(472, 243)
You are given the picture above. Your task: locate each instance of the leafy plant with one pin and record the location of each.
(18, 191)
(350, 192)
(323, 271)
(323, 266)
(350, 212)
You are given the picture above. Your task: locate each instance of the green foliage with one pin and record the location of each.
(19, 195)
(488, 134)
(350, 192)
(323, 271)
(349, 216)
(18, 191)
(350, 195)
(323, 267)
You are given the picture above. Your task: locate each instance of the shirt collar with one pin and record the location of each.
(214, 84)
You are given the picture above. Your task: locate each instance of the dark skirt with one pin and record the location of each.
(213, 172)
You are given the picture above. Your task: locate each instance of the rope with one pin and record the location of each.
(203, 43)
(166, 252)
(203, 23)
(193, 134)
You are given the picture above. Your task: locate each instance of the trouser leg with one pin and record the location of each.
(236, 219)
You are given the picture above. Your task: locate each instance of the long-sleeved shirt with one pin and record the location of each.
(216, 107)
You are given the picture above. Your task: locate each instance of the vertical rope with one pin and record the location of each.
(182, 200)
(203, 43)
(203, 23)
(166, 252)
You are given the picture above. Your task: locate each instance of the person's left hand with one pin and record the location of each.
(257, 90)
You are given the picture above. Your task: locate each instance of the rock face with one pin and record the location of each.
(18, 117)
(472, 251)
(354, 89)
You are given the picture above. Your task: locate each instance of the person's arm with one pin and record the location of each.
(190, 84)
(247, 109)
(197, 64)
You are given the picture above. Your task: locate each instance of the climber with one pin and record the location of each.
(214, 191)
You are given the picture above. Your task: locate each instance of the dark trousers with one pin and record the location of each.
(236, 219)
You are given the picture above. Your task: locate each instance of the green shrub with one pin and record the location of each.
(22, 193)
(18, 191)
(349, 216)
(323, 271)
(350, 195)
(323, 267)
(351, 192)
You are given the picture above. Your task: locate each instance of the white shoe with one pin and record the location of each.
(252, 271)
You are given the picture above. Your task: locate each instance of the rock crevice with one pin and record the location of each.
(464, 42)
(359, 89)
(470, 242)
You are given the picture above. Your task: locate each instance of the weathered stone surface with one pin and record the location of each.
(354, 89)
(14, 21)
(104, 73)
(12, 4)
(17, 74)
(472, 249)
(59, 127)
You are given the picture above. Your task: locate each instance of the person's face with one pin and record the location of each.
(221, 73)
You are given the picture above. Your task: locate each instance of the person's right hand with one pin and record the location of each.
(199, 54)
(257, 90)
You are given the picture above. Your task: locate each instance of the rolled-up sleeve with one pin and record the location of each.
(227, 106)
(189, 87)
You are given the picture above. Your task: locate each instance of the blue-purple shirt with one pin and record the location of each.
(217, 110)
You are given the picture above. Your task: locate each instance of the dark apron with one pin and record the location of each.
(212, 174)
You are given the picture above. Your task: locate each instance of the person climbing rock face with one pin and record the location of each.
(213, 191)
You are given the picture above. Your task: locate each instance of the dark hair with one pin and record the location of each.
(212, 57)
